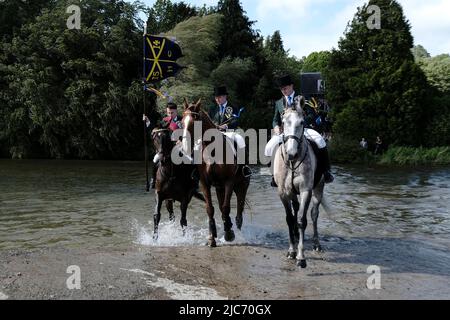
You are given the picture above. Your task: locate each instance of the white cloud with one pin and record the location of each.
(313, 25)
(304, 26)
(308, 25)
(430, 22)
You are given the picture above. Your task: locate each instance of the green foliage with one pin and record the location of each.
(438, 129)
(275, 43)
(407, 156)
(72, 93)
(77, 93)
(165, 15)
(346, 151)
(374, 85)
(234, 73)
(317, 62)
(237, 38)
(198, 36)
(419, 52)
(437, 70)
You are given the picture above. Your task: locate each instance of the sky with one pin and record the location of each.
(314, 25)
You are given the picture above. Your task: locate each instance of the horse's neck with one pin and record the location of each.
(207, 123)
(303, 147)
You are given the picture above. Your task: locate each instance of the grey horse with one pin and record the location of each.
(295, 167)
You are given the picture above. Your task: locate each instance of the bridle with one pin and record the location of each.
(161, 152)
(300, 142)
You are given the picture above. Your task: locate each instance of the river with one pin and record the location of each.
(100, 204)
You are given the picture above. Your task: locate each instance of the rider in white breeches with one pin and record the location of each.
(287, 89)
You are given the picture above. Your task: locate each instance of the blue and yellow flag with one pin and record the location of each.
(160, 55)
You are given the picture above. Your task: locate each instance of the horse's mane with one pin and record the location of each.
(204, 115)
(207, 118)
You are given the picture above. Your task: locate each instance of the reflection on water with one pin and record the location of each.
(93, 204)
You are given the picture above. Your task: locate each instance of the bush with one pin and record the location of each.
(407, 156)
(346, 151)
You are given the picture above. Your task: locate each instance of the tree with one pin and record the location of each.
(437, 70)
(374, 84)
(317, 62)
(419, 52)
(237, 36)
(165, 15)
(13, 14)
(199, 38)
(73, 93)
(275, 43)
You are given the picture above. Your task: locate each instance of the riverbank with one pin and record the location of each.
(410, 269)
(394, 157)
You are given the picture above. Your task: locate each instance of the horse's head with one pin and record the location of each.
(192, 113)
(162, 141)
(294, 126)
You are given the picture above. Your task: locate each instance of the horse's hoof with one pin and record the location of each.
(184, 232)
(318, 248)
(301, 264)
(292, 255)
(230, 236)
(239, 222)
(212, 243)
(155, 236)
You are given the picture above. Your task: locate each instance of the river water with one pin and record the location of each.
(103, 204)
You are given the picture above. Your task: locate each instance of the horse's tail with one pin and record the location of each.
(329, 210)
(199, 196)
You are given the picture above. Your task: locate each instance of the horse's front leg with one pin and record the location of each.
(226, 210)
(169, 206)
(210, 212)
(292, 225)
(296, 207)
(241, 195)
(305, 200)
(317, 199)
(157, 216)
(183, 221)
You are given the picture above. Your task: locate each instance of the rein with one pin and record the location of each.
(205, 118)
(290, 164)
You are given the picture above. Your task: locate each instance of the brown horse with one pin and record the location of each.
(173, 182)
(226, 176)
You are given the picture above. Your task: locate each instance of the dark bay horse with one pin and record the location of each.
(226, 176)
(173, 182)
(297, 174)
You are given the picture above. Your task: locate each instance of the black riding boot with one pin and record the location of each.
(325, 159)
(273, 184)
(154, 172)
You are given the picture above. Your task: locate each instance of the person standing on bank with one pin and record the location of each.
(173, 123)
(286, 86)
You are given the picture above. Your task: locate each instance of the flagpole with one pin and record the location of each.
(147, 186)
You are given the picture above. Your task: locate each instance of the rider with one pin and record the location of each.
(172, 122)
(225, 117)
(286, 86)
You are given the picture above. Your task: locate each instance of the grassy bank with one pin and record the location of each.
(407, 156)
(343, 151)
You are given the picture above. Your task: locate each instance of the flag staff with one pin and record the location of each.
(147, 186)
